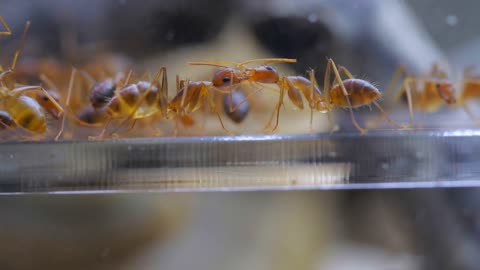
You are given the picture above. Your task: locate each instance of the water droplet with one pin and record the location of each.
(312, 18)
(451, 20)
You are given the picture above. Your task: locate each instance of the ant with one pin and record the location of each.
(435, 91)
(470, 89)
(349, 93)
(352, 93)
(189, 97)
(27, 112)
(138, 100)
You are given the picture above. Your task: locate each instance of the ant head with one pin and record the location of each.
(265, 74)
(225, 77)
(48, 104)
(446, 91)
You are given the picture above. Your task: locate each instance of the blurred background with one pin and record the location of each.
(388, 229)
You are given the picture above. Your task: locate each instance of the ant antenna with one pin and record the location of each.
(20, 46)
(8, 32)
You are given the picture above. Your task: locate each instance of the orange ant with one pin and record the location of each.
(189, 97)
(435, 91)
(23, 109)
(350, 93)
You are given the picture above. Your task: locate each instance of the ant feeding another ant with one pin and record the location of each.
(231, 74)
(350, 93)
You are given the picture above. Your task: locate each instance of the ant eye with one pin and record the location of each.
(45, 98)
(226, 79)
(269, 68)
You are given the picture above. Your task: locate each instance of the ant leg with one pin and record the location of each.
(162, 94)
(67, 103)
(186, 84)
(88, 77)
(20, 46)
(345, 93)
(408, 91)
(246, 98)
(470, 113)
(102, 134)
(333, 127)
(8, 31)
(211, 102)
(399, 72)
(129, 129)
(230, 88)
(276, 111)
(385, 115)
(127, 79)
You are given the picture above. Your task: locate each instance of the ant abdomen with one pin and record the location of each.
(90, 115)
(360, 93)
(102, 92)
(127, 98)
(27, 113)
(234, 100)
